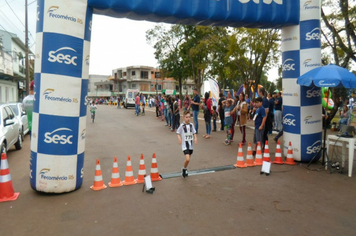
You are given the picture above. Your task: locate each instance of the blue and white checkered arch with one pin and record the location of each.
(61, 84)
(302, 105)
(62, 71)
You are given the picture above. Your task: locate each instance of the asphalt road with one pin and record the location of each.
(293, 200)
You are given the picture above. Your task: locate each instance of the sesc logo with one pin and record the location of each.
(322, 83)
(314, 34)
(314, 92)
(54, 137)
(288, 65)
(314, 148)
(264, 1)
(289, 119)
(58, 56)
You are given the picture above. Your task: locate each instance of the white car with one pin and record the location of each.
(10, 130)
(21, 116)
(131, 98)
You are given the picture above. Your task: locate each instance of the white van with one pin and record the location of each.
(130, 97)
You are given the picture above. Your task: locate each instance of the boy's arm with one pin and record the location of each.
(195, 139)
(263, 123)
(179, 139)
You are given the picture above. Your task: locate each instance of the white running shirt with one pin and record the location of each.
(187, 137)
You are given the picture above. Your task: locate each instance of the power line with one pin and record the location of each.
(15, 13)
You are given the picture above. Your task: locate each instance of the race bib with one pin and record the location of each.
(227, 113)
(188, 137)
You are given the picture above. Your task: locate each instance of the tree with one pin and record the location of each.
(339, 38)
(252, 51)
(167, 43)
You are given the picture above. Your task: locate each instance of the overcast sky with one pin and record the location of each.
(115, 42)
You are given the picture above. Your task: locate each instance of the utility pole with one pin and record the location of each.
(26, 48)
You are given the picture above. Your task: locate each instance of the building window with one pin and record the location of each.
(184, 87)
(144, 74)
(159, 86)
(157, 74)
(14, 57)
(133, 85)
(124, 73)
(133, 72)
(177, 87)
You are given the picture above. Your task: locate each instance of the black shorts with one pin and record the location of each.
(188, 152)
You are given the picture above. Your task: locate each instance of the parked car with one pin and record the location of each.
(21, 115)
(10, 130)
(130, 97)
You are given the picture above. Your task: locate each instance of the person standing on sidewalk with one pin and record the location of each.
(195, 107)
(221, 111)
(28, 106)
(207, 114)
(278, 111)
(265, 105)
(241, 110)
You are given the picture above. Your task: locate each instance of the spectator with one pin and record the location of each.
(207, 114)
(278, 104)
(221, 111)
(195, 106)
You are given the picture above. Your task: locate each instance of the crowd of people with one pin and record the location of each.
(232, 111)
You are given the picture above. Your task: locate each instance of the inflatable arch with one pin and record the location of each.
(62, 71)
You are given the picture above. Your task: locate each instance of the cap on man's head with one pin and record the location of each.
(32, 84)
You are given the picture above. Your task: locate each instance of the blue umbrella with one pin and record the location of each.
(328, 76)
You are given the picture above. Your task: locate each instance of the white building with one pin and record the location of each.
(12, 67)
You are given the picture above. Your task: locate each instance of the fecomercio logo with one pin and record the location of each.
(314, 92)
(48, 91)
(87, 60)
(308, 120)
(264, 1)
(83, 134)
(322, 83)
(52, 14)
(52, 137)
(68, 59)
(307, 5)
(314, 34)
(288, 65)
(44, 171)
(47, 96)
(43, 175)
(314, 148)
(307, 63)
(289, 119)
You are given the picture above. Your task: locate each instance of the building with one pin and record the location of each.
(12, 68)
(146, 79)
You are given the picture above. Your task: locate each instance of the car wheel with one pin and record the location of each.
(3, 148)
(18, 144)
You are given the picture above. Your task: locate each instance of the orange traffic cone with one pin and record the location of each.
(266, 156)
(129, 177)
(154, 169)
(98, 178)
(7, 192)
(115, 176)
(141, 172)
(258, 159)
(278, 157)
(290, 159)
(249, 157)
(240, 158)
